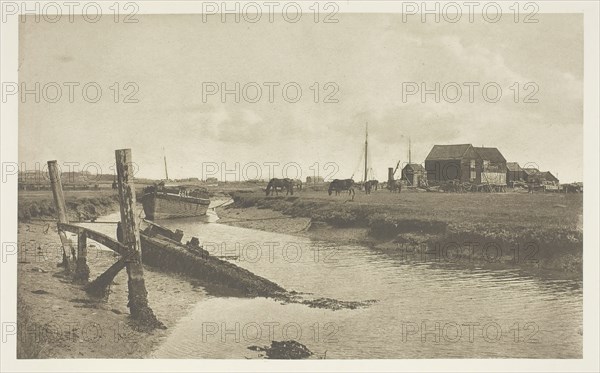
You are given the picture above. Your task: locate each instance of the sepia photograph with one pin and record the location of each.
(361, 185)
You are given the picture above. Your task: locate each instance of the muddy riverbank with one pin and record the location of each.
(535, 233)
(57, 319)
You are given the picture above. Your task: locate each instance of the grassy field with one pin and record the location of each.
(542, 210)
(81, 204)
(547, 227)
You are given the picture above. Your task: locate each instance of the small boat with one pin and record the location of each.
(163, 201)
(168, 202)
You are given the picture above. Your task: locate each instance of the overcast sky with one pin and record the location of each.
(367, 56)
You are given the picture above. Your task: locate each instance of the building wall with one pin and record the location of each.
(445, 170)
(413, 177)
(515, 176)
(495, 178)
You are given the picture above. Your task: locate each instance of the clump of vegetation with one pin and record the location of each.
(335, 305)
(284, 350)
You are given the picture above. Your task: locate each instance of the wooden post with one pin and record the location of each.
(61, 210)
(138, 296)
(82, 271)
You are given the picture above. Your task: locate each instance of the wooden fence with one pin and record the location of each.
(75, 259)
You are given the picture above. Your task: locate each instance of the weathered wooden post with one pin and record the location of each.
(138, 296)
(82, 271)
(61, 211)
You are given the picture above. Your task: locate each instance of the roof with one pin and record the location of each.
(548, 175)
(441, 152)
(531, 170)
(415, 167)
(490, 154)
(513, 166)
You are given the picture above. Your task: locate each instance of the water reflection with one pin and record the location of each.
(423, 310)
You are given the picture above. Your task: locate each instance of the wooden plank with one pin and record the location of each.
(138, 296)
(101, 238)
(108, 242)
(70, 227)
(61, 211)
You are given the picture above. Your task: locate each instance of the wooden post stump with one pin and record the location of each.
(82, 271)
(61, 210)
(138, 296)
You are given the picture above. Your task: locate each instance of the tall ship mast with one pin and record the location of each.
(165, 159)
(366, 149)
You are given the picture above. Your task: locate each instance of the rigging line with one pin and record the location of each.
(358, 166)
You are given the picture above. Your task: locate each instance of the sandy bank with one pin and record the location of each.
(57, 319)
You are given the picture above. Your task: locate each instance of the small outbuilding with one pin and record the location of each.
(414, 174)
(514, 172)
(314, 180)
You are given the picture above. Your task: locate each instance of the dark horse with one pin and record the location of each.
(371, 185)
(275, 184)
(394, 186)
(338, 185)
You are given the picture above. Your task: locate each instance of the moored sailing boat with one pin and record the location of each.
(162, 201)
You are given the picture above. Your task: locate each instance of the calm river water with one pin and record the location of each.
(422, 311)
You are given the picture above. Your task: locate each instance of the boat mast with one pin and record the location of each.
(366, 148)
(409, 159)
(165, 159)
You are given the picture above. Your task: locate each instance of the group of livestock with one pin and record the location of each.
(335, 186)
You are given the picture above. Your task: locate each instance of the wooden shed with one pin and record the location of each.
(414, 174)
(533, 175)
(514, 172)
(493, 166)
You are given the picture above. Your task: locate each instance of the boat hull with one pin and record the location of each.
(169, 206)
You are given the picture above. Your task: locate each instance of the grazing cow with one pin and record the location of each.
(338, 185)
(275, 184)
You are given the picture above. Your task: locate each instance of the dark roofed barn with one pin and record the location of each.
(451, 162)
(466, 163)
